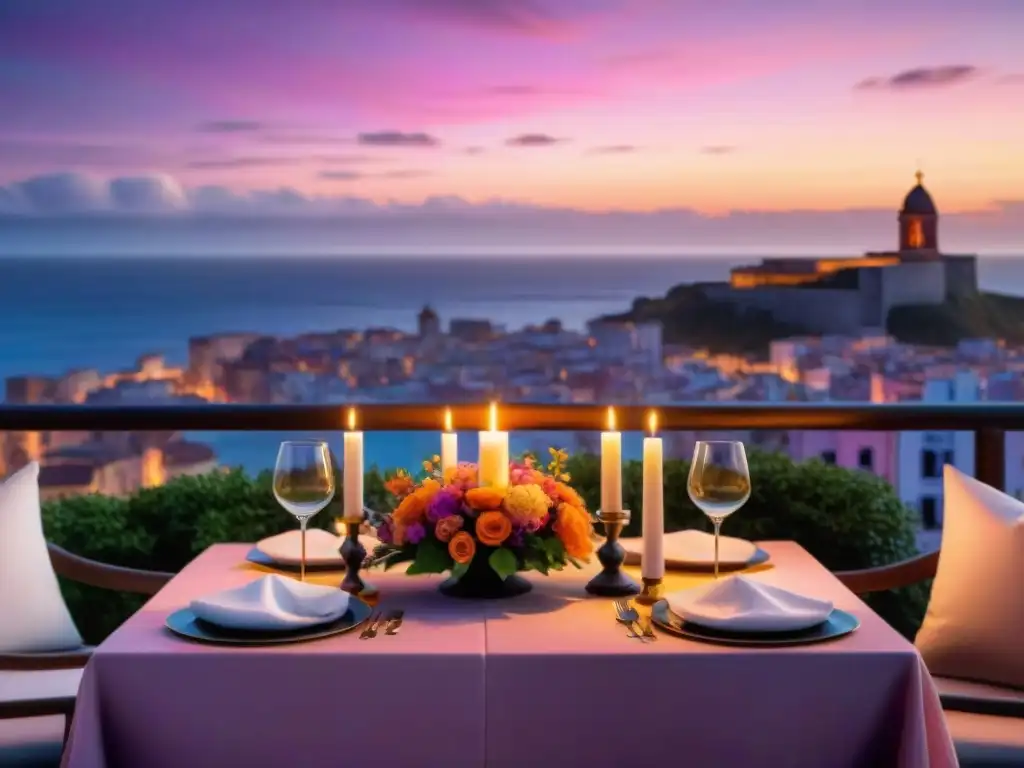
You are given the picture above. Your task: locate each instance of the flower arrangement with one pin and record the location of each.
(446, 521)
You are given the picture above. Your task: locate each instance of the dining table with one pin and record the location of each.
(548, 679)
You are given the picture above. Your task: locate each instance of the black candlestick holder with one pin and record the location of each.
(353, 553)
(611, 581)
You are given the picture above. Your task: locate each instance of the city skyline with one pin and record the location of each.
(590, 105)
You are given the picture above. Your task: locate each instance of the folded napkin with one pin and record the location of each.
(272, 602)
(694, 548)
(322, 547)
(744, 604)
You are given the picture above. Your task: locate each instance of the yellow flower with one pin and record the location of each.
(492, 528)
(427, 466)
(525, 503)
(574, 529)
(436, 459)
(484, 499)
(462, 547)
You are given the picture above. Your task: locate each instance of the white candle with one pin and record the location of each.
(493, 461)
(449, 445)
(611, 467)
(353, 470)
(652, 564)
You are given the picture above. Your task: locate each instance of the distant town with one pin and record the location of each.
(614, 360)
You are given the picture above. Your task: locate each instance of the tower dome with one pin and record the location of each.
(918, 202)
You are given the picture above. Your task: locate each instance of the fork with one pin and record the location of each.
(627, 614)
(371, 626)
(394, 622)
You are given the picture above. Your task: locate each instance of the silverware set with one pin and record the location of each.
(636, 627)
(386, 622)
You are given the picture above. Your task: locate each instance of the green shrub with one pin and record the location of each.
(846, 519)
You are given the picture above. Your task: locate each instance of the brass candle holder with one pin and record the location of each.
(653, 590)
(611, 581)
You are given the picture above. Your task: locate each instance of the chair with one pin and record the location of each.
(34, 686)
(986, 721)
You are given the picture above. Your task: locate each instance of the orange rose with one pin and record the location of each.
(485, 499)
(462, 548)
(411, 510)
(492, 528)
(573, 527)
(427, 490)
(567, 494)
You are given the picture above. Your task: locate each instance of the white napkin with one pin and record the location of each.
(322, 547)
(694, 548)
(744, 604)
(272, 602)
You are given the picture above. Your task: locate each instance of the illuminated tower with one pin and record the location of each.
(919, 222)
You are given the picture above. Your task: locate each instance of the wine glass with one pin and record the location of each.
(303, 483)
(719, 481)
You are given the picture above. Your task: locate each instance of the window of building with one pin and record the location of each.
(947, 457)
(829, 457)
(929, 518)
(929, 464)
(915, 234)
(866, 459)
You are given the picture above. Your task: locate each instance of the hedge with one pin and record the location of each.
(847, 519)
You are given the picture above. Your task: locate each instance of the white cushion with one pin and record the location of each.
(33, 615)
(974, 626)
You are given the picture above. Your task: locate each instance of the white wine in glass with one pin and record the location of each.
(303, 483)
(719, 481)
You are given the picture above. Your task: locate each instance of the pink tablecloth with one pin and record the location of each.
(565, 687)
(151, 700)
(544, 680)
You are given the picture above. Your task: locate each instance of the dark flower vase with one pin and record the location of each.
(480, 582)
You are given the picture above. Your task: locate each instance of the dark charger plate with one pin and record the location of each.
(261, 558)
(185, 624)
(838, 624)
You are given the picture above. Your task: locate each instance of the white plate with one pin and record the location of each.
(322, 547)
(694, 548)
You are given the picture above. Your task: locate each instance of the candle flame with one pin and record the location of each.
(494, 417)
(611, 419)
(447, 419)
(351, 419)
(652, 423)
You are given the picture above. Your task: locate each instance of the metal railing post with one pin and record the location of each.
(990, 456)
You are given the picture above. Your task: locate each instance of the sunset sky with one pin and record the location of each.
(590, 104)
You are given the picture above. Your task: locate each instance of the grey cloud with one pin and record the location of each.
(473, 151)
(147, 194)
(341, 175)
(397, 139)
(350, 159)
(65, 193)
(405, 174)
(229, 126)
(533, 140)
(614, 149)
(304, 140)
(921, 77)
(243, 162)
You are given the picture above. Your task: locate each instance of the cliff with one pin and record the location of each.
(690, 318)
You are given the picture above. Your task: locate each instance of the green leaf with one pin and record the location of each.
(431, 557)
(503, 562)
(539, 564)
(459, 570)
(574, 561)
(555, 550)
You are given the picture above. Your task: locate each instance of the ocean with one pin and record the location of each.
(75, 312)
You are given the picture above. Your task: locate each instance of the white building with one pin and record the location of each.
(922, 455)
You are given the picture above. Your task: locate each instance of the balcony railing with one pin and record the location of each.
(988, 421)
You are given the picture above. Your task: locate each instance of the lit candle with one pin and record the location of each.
(652, 565)
(353, 477)
(449, 445)
(493, 461)
(611, 467)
